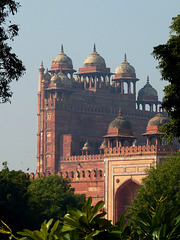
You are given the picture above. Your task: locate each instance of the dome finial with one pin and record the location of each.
(148, 79)
(62, 49)
(94, 49)
(125, 59)
(41, 63)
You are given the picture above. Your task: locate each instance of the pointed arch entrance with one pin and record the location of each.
(124, 194)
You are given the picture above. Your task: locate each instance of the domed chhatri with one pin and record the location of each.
(147, 92)
(153, 129)
(119, 132)
(46, 77)
(86, 145)
(55, 78)
(158, 120)
(64, 79)
(94, 59)
(125, 67)
(61, 78)
(148, 96)
(62, 58)
(62, 62)
(122, 125)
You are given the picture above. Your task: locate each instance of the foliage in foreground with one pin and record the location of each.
(27, 203)
(168, 56)
(14, 198)
(157, 223)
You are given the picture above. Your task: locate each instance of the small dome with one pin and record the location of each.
(158, 120)
(64, 79)
(125, 67)
(104, 144)
(147, 91)
(55, 78)
(120, 123)
(87, 145)
(47, 76)
(62, 58)
(94, 59)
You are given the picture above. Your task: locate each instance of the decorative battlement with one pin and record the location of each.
(145, 149)
(82, 158)
(78, 175)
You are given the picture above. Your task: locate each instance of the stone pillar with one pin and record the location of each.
(122, 87)
(134, 88)
(99, 82)
(148, 141)
(84, 80)
(90, 82)
(109, 79)
(116, 86)
(117, 142)
(151, 109)
(156, 107)
(143, 106)
(129, 87)
(95, 82)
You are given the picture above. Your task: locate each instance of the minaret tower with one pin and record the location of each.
(55, 88)
(40, 135)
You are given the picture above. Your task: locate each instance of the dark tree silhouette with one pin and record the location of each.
(168, 56)
(11, 68)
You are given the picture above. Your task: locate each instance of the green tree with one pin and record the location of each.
(159, 223)
(14, 198)
(11, 68)
(49, 196)
(168, 56)
(163, 181)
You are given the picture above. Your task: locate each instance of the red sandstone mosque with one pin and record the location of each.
(93, 130)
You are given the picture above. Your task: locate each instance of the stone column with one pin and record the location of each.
(90, 83)
(95, 82)
(99, 82)
(129, 87)
(122, 87)
(134, 88)
(148, 141)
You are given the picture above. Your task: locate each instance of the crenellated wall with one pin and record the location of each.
(141, 150)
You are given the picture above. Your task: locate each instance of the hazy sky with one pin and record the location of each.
(117, 27)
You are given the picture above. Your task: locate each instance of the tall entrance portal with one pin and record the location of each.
(125, 193)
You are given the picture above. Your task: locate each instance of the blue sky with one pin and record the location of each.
(117, 27)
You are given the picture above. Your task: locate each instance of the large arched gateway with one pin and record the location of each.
(124, 194)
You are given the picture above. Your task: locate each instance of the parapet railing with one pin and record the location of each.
(82, 158)
(141, 149)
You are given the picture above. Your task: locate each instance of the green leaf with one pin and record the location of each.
(92, 234)
(97, 207)
(120, 222)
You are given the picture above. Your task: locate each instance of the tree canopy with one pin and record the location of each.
(25, 203)
(11, 68)
(14, 198)
(168, 56)
(163, 181)
(50, 195)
